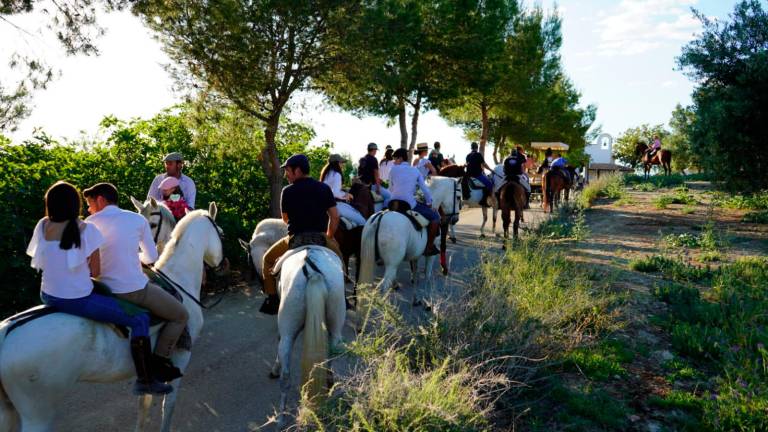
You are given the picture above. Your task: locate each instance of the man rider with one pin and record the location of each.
(125, 233)
(403, 180)
(368, 172)
(475, 165)
(513, 169)
(435, 157)
(174, 163)
(309, 209)
(559, 165)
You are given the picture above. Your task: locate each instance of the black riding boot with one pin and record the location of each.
(271, 305)
(432, 230)
(163, 369)
(141, 351)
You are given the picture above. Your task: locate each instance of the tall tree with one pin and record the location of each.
(254, 54)
(624, 147)
(679, 141)
(729, 63)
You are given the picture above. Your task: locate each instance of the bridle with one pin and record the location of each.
(157, 226)
(218, 230)
(454, 215)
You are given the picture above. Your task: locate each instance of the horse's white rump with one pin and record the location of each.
(267, 233)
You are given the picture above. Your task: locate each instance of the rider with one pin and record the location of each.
(174, 163)
(435, 157)
(172, 197)
(331, 175)
(559, 165)
(386, 164)
(655, 147)
(368, 172)
(125, 233)
(404, 181)
(66, 249)
(422, 163)
(475, 165)
(514, 169)
(309, 209)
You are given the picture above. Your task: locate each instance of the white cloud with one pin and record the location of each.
(638, 26)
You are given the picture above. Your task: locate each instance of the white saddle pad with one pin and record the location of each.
(419, 218)
(348, 224)
(376, 197)
(476, 184)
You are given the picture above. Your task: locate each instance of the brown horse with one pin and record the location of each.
(349, 240)
(513, 197)
(454, 171)
(663, 157)
(553, 183)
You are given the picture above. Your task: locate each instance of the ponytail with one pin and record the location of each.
(70, 236)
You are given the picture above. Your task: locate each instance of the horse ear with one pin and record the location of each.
(212, 210)
(244, 244)
(152, 201)
(138, 204)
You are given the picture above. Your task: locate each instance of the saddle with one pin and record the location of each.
(347, 224)
(418, 221)
(279, 264)
(468, 184)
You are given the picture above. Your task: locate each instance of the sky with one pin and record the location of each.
(620, 54)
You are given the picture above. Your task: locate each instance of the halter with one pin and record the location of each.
(221, 240)
(158, 226)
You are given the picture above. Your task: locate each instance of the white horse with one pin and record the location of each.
(311, 298)
(32, 383)
(267, 233)
(393, 235)
(160, 219)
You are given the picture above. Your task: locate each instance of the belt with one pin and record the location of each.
(307, 239)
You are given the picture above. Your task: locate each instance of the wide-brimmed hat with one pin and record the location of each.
(422, 146)
(173, 157)
(335, 158)
(372, 146)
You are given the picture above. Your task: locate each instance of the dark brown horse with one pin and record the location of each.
(663, 157)
(349, 240)
(512, 197)
(454, 171)
(553, 183)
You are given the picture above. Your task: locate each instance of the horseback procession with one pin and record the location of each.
(121, 290)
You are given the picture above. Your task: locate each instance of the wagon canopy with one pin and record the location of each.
(552, 145)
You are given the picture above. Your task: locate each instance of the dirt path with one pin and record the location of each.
(226, 387)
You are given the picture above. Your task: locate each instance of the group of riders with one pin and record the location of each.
(72, 253)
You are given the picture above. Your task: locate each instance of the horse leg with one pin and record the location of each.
(443, 247)
(516, 226)
(495, 211)
(283, 363)
(485, 218)
(35, 404)
(453, 234)
(414, 268)
(144, 405)
(388, 281)
(181, 360)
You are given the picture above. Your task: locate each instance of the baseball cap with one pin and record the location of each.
(297, 161)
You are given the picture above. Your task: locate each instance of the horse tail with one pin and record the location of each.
(9, 417)
(368, 250)
(315, 346)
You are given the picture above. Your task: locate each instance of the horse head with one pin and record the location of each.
(640, 148)
(455, 171)
(160, 219)
(362, 200)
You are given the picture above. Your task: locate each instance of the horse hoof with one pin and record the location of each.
(396, 286)
(482, 236)
(272, 375)
(445, 271)
(453, 240)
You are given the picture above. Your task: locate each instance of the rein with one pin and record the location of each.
(455, 194)
(159, 225)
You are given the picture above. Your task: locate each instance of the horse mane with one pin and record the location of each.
(177, 234)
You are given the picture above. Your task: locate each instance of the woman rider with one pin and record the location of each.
(331, 174)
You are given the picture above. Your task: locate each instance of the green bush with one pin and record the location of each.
(568, 222)
(610, 186)
(755, 201)
(671, 268)
(760, 217)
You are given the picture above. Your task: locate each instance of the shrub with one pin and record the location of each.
(760, 217)
(756, 201)
(670, 268)
(610, 186)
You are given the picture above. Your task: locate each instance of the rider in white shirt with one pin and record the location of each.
(404, 180)
(174, 163)
(331, 175)
(386, 164)
(125, 233)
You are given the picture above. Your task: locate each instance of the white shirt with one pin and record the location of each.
(124, 234)
(385, 166)
(65, 272)
(403, 180)
(333, 180)
(186, 185)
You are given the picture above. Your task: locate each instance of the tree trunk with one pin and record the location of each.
(499, 145)
(484, 134)
(270, 163)
(402, 120)
(414, 124)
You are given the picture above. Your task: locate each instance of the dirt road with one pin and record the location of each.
(226, 387)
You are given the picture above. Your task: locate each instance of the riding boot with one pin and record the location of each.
(163, 369)
(432, 231)
(271, 305)
(146, 383)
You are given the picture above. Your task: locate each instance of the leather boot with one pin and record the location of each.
(163, 369)
(271, 305)
(432, 230)
(141, 351)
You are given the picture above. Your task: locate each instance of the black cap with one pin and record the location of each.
(297, 161)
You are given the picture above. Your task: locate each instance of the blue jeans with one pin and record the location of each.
(100, 308)
(427, 212)
(485, 181)
(385, 193)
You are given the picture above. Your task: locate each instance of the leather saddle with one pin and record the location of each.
(418, 221)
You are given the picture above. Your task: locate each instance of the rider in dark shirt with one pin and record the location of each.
(475, 165)
(436, 158)
(368, 172)
(309, 209)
